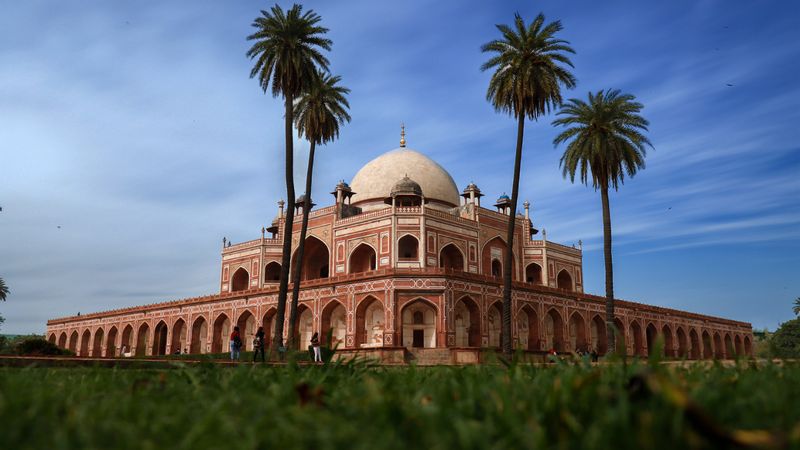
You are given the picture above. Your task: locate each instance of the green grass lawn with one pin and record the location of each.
(360, 406)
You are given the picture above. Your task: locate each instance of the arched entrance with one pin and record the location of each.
(272, 272)
(528, 328)
(247, 329)
(597, 329)
(533, 273)
(199, 336)
(362, 259)
(52, 338)
(553, 331)
(651, 335)
(708, 349)
(73, 342)
(748, 347)
(577, 333)
(304, 327)
(160, 339)
(316, 258)
(467, 318)
(494, 324)
(240, 280)
(179, 330)
(85, 343)
(450, 257)
(683, 344)
(638, 345)
(111, 342)
(419, 324)
(564, 280)
(334, 325)
(718, 349)
(729, 350)
(737, 342)
(142, 338)
(62, 340)
(669, 350)
(126, 345)
(370, 323)
(495, 250)
(220, 338)
(268, 322)
(620, 342)
(694, 345)
(408, 248)
(97, 346)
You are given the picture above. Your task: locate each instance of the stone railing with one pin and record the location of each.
(363, 217)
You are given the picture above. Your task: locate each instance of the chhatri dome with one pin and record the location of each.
(375, 181)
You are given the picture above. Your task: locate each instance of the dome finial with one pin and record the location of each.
(402, 134)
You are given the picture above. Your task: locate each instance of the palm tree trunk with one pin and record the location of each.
(509, 256)
(611, 328)
(298, 262)
(287, 225)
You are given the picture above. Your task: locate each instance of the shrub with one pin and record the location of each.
(785, 342)
(38, 347)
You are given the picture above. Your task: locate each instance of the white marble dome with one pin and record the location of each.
(374, 182)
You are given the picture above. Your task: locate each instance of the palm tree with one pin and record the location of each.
(3, 290)
(287, 56)
(795, 309)
(531, 66)
(605, 137)
(320, 111)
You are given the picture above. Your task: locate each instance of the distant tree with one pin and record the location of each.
(785, 342)
(605, 141)
(795, 309)
(530, 67)
(320, 111)
(4, 290)
(287, 56)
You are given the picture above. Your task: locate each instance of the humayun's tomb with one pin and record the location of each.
(401, 266)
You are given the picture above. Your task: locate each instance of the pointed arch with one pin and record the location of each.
(303, 327)
(363, 258)
(599, 337)
(719, 352)
(199, 335)
(451, 257)
(179, 331)
(666, 332)
(564, 280)
(497, 268)
(111, 342)
(419, 318)
(73, 342)
(62, 340)
(737, 343)
(748, 346)
(160, 339)
(334, 324)
(694, 345)
(408, 248)
(636, 335)
(272, 272)
(577, 332)
(142, 339)
(730, 352)
(494, 324)
(495, 249)
(247, 329)
(220, 334)
(316, 259)
(528, 328)
(467, 322)
(126, 345)
(85, 338)
(533, 273)
(708, 347)
(268, 323)
(97, 344)
(370, 322)
(622, 346)
(651, 334)
(554, 331)
(683, 343)
(240, 281)
(52, 338)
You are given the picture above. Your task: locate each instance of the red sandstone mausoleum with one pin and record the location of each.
(403, 266)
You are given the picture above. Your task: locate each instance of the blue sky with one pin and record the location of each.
(135, 129)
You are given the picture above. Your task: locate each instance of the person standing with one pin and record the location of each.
(236, 344)
(258, 344)
(315, 345)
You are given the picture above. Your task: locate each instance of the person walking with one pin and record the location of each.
(258, 344)
(236, 344)
(315, 345)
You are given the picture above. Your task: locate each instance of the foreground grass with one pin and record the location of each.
(357, 406)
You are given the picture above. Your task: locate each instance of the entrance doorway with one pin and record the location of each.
(418, 338)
